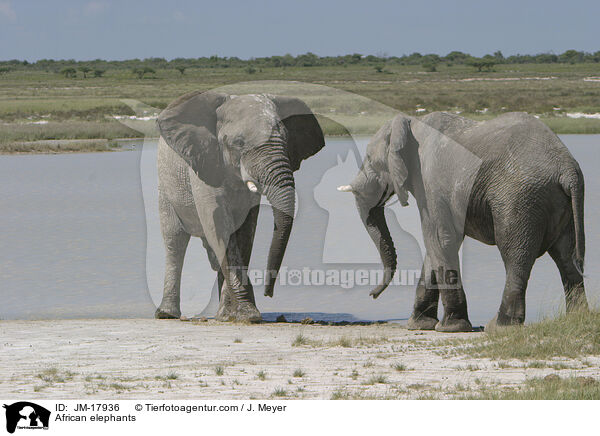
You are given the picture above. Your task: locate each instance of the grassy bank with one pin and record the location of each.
(84, 108)
(60, 146)
(573, 335)
(547, 388)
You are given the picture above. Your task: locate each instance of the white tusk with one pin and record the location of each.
(345, 188)
(251, 186)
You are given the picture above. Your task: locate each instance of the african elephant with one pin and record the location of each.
(217, 154)
(508, 182)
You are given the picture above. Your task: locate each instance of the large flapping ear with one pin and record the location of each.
(400, 134)
(305, 136)
(188, 126)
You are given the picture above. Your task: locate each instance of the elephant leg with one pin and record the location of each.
(424, 316)
(518, 263)
(214, 263)
(176, 240)
(562, 254)
(442, 272)
(237, 295)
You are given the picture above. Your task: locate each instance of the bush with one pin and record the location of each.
(430, 67)
(69, 72)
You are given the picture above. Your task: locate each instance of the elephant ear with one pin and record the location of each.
(400, 134)
(305, 136)
(189, 127)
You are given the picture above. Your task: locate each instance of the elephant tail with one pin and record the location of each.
(576, 191)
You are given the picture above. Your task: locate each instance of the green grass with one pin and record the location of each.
(376, 379)
(169, 376)
(279, 392)
(342, 341)
(81, 108)
(299, 373)
(219, 370)
(570, 335)
(18, 132)
(55, 375)
(261, 375)
(563, 125)
(400, 367)
(300, 340)
(548, 388)
(538, 364)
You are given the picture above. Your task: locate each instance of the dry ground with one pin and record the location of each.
(110, 359)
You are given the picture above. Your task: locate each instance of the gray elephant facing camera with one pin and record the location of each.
(216, 155)
(508, 182)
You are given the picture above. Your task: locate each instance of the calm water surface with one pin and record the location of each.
(80, 238)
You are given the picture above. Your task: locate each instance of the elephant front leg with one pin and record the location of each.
(176, 241)
(424, 315)
(237, 294)
(442, 272)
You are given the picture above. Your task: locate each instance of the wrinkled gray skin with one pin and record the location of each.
(508, 182)
(211, 146)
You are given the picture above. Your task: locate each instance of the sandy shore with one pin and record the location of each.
(103, 359)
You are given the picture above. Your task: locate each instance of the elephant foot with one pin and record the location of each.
(454, 326)
(247, 312)
(499, 322)
(167, 312)
(421, 322)
(241, 312)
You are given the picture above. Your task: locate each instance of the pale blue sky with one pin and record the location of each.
(111, 29)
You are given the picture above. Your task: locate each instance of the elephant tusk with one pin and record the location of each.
(251, 186)
(345, 188)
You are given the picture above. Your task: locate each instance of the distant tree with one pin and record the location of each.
(430, 66)
(84, 69)
(486, 63)
(4, 70)
(457, 57)
(307, 60)
(378, 68)
(546, 58)
(181, 69)
(572, 56)
(413, 59)
(250, 69)
(141, 72)
(499, 56)
(69, 72)
(356, 58)
(98, 72)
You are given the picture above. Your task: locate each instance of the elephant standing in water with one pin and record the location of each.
(508, 182)
(216, 155)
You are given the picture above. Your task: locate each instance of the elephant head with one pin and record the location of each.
(384, 173)
(252, 142)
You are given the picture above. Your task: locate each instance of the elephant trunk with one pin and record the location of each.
(277, 182)
(376, 225)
